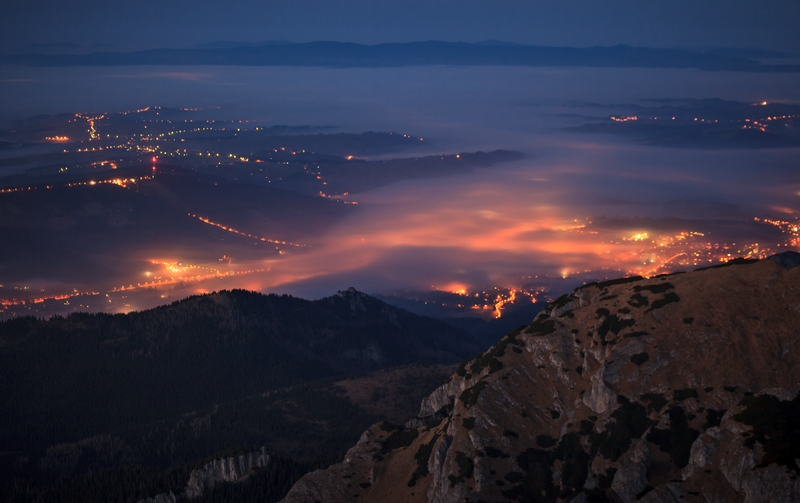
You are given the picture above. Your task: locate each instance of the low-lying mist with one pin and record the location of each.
(577, 207)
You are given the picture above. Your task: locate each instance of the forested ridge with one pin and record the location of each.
(101, 407)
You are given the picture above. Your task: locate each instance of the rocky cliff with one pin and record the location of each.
(231, 469)
(679, 388)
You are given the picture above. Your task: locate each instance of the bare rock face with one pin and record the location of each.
(631, 476)
(230, 469)
(680, 388)
(168, 497)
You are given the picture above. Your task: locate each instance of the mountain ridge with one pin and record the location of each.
(676, 388)
(196, 352)
(344, 54)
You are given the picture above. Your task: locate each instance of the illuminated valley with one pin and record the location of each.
(190, 204)
(706, 123)
(244, 192)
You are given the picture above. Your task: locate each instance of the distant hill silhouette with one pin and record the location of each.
(94, 371)
(340, 54)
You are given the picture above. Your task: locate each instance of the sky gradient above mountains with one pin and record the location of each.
(150, 24)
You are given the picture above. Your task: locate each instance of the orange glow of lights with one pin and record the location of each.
(244, 234)
(121, 182)
(501, 301)
(456, 288)
(183, 273)
(641, 236)
(39, 300)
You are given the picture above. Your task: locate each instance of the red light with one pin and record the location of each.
(154, 159)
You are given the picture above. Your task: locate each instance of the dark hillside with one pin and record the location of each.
(65, 379)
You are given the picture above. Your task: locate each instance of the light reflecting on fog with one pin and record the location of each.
(576, 205)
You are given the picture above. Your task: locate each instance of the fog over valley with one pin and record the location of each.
(496, 186)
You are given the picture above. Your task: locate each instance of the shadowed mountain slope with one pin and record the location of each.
(95, 372)
(674, 388)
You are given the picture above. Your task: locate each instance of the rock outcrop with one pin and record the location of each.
(231, 469)
(168, 497)
(678, 388)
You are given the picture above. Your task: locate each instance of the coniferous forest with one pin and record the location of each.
(100, 407)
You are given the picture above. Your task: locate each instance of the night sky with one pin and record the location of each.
(143, 24)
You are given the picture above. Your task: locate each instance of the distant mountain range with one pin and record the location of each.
(341, 54)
